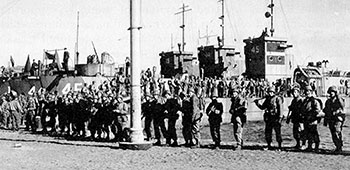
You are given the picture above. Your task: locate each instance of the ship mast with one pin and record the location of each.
(76, 59)
(270, 14)
(222, 18)
(183, 10)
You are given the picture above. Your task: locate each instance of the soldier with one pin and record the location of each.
(239, 117)
(272, 117)
(15, 110)
(186, 119)
(335, 117)
(214, 112)
(5, 112)
(311, 108)
(122, 111)
(31, 112)
(172, 108)
(147, 113)
(196, 116)
(158, 120)
(296, 116)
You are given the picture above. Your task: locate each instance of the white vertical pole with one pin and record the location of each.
(135, 53)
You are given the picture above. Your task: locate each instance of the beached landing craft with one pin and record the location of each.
(53, 75)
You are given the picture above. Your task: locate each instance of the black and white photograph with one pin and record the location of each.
(174, 84)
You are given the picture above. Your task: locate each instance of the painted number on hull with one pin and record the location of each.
(68, 87)
(32, 90)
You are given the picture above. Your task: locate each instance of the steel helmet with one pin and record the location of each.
(332, 89)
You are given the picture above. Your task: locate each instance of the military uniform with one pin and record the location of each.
(15, 110)
(158, 121)
(335, 117)
(122, 111)
(31, 113)
(5, 114)
(239, 117)
(148, 115)
(214, 112)
(196, 116)
(296, 116)
(172, 107)
(272, 117)
(311, 108)
(186, 119)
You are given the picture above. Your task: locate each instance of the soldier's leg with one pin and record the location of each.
(196, 132)
(212, 131)
(277, 127)
(17, 117)
(268, 133)
(237, 130)
(172, 130)
(163, 129)
(147, 128)
(335, 129)
(296, 134)
(156, 125)
(217, 133)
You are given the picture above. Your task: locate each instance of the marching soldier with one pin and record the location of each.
(239, 117)
(312, 109)
(172, 108)
(335, 117)
(272, 117)
(296, 116)
(214, 112)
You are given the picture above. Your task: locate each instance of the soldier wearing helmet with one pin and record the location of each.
(239, 117)
(15, 110)
(296, 116)
(172, 108)
(334, 116)
(272, 116)
(311, 108)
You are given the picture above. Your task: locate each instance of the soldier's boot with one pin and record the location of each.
(297, 146)
(168, 141)
(174, 144)
(317, 147)
(158, 143)
(269, 146)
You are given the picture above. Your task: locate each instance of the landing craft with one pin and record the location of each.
(61, 81)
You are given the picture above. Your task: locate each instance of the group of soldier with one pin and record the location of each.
(85, 114)
(95, 112)
(304, 112)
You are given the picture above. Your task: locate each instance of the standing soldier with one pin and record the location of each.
(239, 117)
(272, 117)
(4, 112)
(15, 110)
(296, 116)
(158, 120)
(31, 112)
(186, 119)
(122, 111)
(335, 117)
(172, 108)
(312, 110)
(147, 113)
(196, 116)
(214, 112)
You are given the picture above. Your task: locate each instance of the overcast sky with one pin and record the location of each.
(318, 29)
